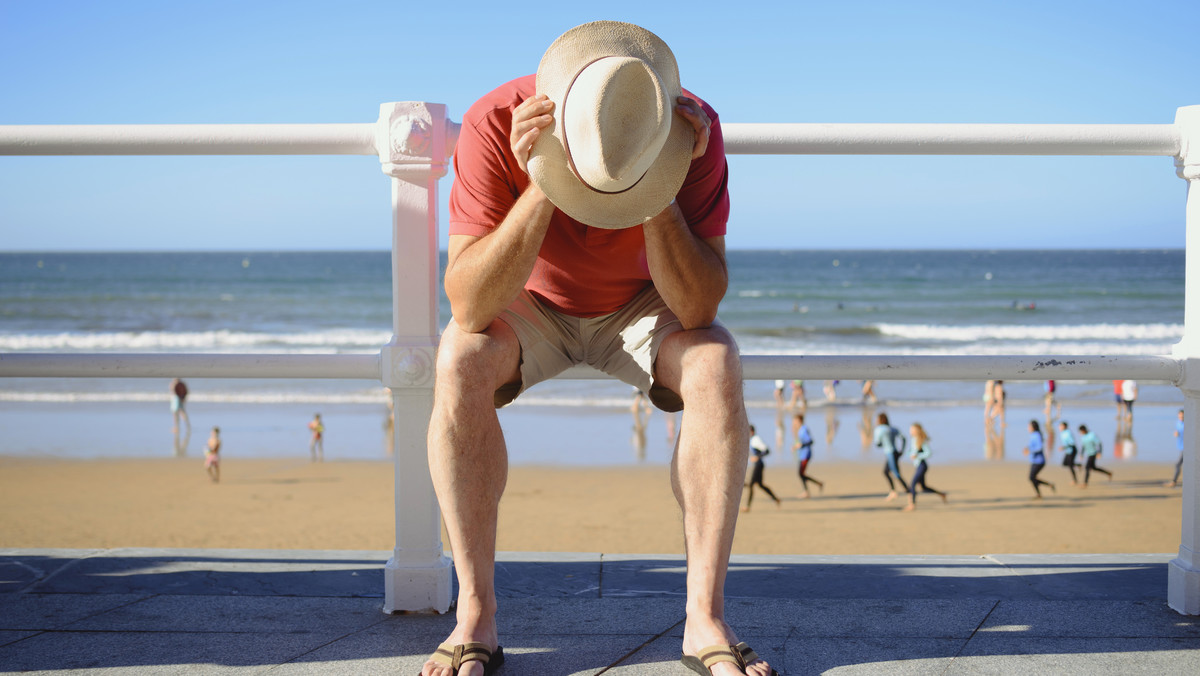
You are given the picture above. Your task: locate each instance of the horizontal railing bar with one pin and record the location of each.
(948, 367)
(102, 365)
(950, 139)
(754, 367)
(189, 139)
(740, 138)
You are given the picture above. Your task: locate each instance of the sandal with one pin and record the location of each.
(740, 654)
(454, 656)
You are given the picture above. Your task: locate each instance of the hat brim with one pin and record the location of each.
(548, 166)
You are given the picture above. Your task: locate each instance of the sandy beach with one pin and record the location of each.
(295, 504)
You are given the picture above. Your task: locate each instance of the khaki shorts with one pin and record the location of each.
(623, 344)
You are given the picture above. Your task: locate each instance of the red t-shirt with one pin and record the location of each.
(580, 270)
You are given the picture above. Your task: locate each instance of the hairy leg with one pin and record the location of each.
(707, 472)
(469, 465)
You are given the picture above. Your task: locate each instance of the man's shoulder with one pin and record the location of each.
(501, 100)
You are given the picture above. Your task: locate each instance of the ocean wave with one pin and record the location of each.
(266, 397)
(329, 341)
(989, 332)
(1032, 348)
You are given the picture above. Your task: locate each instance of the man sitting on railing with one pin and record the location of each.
(587, 223)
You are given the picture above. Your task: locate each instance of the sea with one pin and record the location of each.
(919, 302)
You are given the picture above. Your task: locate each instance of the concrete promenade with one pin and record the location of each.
(177, 611)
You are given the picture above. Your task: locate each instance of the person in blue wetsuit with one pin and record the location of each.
(1179, 447)
(804, 444)
(892, 442)
(1037, 459)
(920, 458)
(1066, 444)
(1089, 443)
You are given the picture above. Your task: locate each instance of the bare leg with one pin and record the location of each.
(707, 472)
(469, 465)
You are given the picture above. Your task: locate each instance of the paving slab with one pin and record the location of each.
(1090, 618)
(1107, 656)
(195, 572)
(264, 614)
(40, 612)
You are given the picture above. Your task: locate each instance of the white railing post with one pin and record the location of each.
(1183, 577)
(414, 142)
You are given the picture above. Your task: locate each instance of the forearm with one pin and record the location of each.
(485, 276)
(689, 273)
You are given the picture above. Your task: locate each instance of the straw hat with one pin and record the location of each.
(616, 153)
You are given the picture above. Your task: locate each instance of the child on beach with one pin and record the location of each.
(758, 450)
(316, 446)
(1091, 446)
(1066, 444)
(892, 442)
(804, 444)
(920, 458)
(212, 455)
(1037, 459)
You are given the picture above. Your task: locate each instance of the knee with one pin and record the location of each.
(468, 360)
(709, 362)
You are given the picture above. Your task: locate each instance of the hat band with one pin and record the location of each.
(567, 144)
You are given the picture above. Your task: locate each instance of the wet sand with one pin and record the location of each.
(295, 504)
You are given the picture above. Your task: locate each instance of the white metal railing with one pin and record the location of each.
(414, 141)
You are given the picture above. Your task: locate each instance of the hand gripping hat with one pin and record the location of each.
(616, 153)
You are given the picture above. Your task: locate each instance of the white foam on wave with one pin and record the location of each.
(1080, 333)
(329, 341)
(265, 397)
(1032, 348)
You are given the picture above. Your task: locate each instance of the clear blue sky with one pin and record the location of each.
(123, 62)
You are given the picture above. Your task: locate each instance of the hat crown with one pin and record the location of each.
(616, 119)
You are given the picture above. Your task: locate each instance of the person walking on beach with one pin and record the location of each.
(212, 455)
(179, 393)
(758, 451)
(1129, 392)
(919, 454)
(1066, 444)
(1179, 447)
(999, 398)
(1119, 398)
(799, 398)
(892, 442)
(1091, 446)
(868, 392)
(1035, 449)
(1050, 388)
(804, 444)
(316, 444)
(587, 225)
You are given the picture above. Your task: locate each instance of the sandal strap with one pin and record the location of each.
(454, 656)
(723, 653)
(748, 654)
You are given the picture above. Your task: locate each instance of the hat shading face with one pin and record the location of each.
(616, 153)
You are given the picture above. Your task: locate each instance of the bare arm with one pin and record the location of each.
(689, 272)
(485, 274)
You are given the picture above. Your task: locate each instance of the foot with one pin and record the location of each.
(1053, 489)
(1170, 484)
(701, 633)
(746, 509)
(944, 498)
(890, 496)
(465, 632)
(804, 494)
(909, 508)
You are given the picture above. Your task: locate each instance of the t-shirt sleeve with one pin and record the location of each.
(704, 197)
(482, 193)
